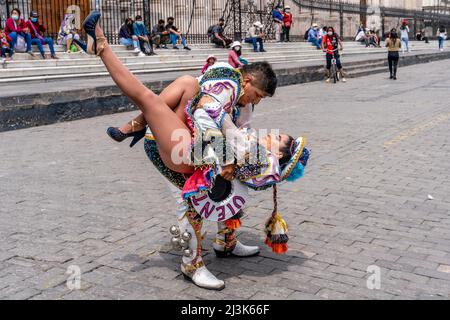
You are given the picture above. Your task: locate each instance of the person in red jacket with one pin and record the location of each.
(287, 23)
(37, 38)
(15, 27)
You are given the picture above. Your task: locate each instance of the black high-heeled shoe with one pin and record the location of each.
(119, 136)
(89, 25)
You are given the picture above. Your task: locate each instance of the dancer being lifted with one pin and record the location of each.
(215, 107)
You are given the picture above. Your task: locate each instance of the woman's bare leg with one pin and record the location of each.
(176, 96)
(160, 118)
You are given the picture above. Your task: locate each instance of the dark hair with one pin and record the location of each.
(331, 29)
(441, 29)
(170, 18)
(161, 21)
(286, 152)
(221, 19)
(393, 34)
(138, 17)
(265, 77)
(18, 11)
(127, 20)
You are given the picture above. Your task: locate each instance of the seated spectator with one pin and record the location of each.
(160, 36)
(126, 37)
(235, 54)
(175, 34)
(68, 35)
(256, 36)
(140, 31)
(313, 36)
(5, 46)
(362, 37)
(210, 61)
(15, 27)
(217, 36)
(37, 38)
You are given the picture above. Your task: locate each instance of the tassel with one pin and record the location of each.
(276, 234)
(276, 229)
(233, 224)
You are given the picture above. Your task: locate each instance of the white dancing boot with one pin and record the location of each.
(202, 277)
(226, 244)
(188, 237)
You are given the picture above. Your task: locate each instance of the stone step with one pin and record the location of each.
(75, 59)
(122, 51)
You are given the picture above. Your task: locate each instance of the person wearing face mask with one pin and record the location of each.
(160, 36)
(277, 17)
(140, 31)
(313, 36)
(37, 30)
(126, 37)
(287, 23)
(235, 54)
(15, 27)
(330, 44)
(394, 44)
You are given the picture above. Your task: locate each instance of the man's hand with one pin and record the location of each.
(228, 172)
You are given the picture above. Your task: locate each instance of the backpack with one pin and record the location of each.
(307, 34)
(21, 45)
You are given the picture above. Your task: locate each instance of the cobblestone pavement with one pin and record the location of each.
(72, 197)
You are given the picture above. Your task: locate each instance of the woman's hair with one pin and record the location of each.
(286, 151)
(17, 10)
(128, 19)
(265, 77)
(238, 52)
(138, 17)
(393, 34)
(328, 29)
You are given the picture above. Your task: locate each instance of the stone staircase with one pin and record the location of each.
(25, 68)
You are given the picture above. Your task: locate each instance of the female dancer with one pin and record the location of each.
(163, 122)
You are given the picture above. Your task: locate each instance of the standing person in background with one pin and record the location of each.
(277, 17)
(323, 32)
(442, 36)
(331, 44)
(404, 36)
(15, 27)
(140, 31)
(288, 22)
(394, 45)
(37, 30)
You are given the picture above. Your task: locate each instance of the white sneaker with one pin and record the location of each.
(328, 80)
(141, 54)
(344, 80)
(137, 50)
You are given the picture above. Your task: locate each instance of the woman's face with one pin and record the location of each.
(274, 143)
(211, 61)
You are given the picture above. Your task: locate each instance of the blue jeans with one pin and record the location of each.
(128, 42)
(48, 41)
(174, 38)
(406, 42)
(316, 42)
(255, 42)
(26, 36)
(441, 42)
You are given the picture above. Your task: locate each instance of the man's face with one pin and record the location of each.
(221, 23)
(170, 21)
(252, 94)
